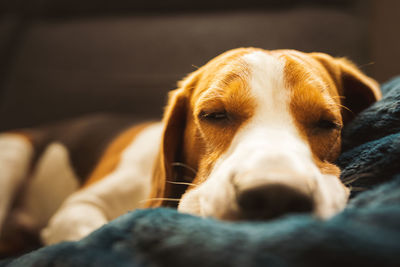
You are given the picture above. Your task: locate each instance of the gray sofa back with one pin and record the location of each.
(67, 58)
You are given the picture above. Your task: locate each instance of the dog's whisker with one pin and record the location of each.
(346, 108)
(160, 198)
(183, 183)
(180, 164)
(188, 178)
(357, 188)
(350, 181)
(367, 64)
(354, 177)
(339, 96)
(332, 147)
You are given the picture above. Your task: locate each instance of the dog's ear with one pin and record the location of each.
(358, 91)
(174, 120)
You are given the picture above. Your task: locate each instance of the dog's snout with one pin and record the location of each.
(271, 201)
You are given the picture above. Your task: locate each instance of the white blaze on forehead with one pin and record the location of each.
(268, 87)
(267, 84)
(272, 120)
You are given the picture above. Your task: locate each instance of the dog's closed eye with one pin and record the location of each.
(327, 124)
(214, 116)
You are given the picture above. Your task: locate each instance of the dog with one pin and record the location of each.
(251, 135)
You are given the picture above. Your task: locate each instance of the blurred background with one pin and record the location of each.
(64, 58)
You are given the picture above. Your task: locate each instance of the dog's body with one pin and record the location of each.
(74, 168)
(251, 135)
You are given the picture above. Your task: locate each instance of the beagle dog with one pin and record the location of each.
(252, 135)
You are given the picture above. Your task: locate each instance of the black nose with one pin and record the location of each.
(271, 201)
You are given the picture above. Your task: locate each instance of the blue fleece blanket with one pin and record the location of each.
(366, 233)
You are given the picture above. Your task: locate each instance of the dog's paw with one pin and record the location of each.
(72, 222)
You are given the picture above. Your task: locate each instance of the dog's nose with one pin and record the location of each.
(271, 201)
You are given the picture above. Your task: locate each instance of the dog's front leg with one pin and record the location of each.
(94, 206)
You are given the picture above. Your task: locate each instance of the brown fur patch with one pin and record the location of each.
(85, 138)
(314, 97)
(319, 92)
(214, 138)
(219, 85)
(357, 90)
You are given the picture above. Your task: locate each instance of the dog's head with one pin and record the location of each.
(256, 132)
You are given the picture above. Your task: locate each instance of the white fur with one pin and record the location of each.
(15, 156)
(53, 180)
(114, 195)
(268, 149)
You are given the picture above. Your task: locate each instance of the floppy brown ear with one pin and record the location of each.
(174, 121)
(358, 91)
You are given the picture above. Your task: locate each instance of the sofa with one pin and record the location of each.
(62, 59)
